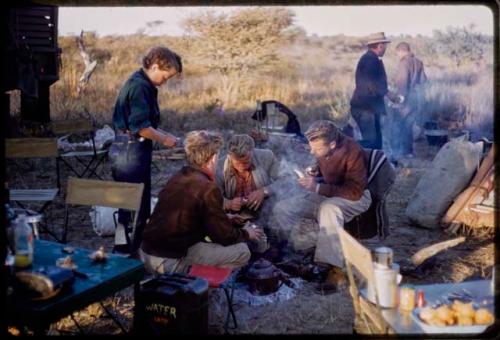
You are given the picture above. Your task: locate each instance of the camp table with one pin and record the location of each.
(103, 279)
(404, 322)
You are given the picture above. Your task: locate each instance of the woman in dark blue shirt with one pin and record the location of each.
(136, 118)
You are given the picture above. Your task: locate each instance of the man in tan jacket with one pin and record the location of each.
(248, 178)
(409, 76)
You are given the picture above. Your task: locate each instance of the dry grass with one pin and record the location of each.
(314, 77)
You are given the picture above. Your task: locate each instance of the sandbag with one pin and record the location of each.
(450, 172)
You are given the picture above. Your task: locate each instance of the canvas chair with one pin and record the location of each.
(219, 277)
(368, 315)
(88, 159)
(381, 177)
(89, 192)
(29, 148)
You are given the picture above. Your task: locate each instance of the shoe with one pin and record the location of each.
(335, 279)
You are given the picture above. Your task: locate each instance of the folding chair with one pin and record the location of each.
(219, 277)
(83, 127)
(25, 148)
(112, 194)
(368, 315)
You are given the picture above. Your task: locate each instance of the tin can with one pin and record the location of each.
(406, 298)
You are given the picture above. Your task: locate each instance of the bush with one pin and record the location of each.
(462, 44)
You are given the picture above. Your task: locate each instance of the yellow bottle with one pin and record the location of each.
(23, 243)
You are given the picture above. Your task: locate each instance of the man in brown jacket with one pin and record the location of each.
(189, 208)
(410, 74)
(334, 195)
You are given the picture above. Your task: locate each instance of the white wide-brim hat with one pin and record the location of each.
(375, 38)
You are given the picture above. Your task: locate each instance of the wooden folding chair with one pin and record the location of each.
(368, 315)
(112, 194)
(26, 148)
(88, 159)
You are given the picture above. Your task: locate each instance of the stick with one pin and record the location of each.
(89, 65)
(424, 253)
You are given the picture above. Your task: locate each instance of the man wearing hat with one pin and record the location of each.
(367, 102)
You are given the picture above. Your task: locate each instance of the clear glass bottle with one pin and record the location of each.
(23, 243)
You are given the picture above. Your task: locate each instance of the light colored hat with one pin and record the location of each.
(375, 38)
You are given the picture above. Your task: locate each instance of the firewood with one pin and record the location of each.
(424, 253)
(89, 65)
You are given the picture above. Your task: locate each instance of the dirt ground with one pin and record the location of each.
(306, 312)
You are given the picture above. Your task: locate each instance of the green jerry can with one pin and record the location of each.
(172, 304)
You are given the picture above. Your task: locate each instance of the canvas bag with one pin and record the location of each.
(102, 219)
(450, 172)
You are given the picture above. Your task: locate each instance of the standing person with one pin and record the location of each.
(409, 75)
(190, 208)
(136, 119)
(367, 102)
(337, 198)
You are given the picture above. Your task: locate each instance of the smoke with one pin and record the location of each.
(121, 161)
(292, 154)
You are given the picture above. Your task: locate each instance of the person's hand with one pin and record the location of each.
(255, 199)
(169, 141)
(235, 204)
(254, 234)
(236, 219)
(308, 183)
(393, 97)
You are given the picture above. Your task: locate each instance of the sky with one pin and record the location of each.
(319, 20)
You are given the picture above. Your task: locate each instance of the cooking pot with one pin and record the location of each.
(264, 278)
(437, 137)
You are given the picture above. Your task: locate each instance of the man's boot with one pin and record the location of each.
(335, 279)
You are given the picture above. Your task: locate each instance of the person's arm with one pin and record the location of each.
(159, 136)
(140, 99)
(402, 78)
(373, 76)
(218, 226)
(273, 170)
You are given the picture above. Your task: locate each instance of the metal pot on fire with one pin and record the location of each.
(264, 278)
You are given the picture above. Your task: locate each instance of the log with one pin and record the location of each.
(424, 253)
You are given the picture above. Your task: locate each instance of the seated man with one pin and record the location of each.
(246, 177)
(189, 208)
(337, 198)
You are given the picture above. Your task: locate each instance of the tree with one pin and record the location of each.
(462, 44)
(239, 44)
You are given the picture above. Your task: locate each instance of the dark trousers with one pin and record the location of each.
(369, 126)
(131, 162)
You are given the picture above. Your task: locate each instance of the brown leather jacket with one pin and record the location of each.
(344, 171)
(189, 208)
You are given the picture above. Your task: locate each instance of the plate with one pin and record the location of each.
(430, 329)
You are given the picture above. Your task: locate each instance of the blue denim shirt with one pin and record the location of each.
(137, 107)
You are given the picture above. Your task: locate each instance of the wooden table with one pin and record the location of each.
(104, 279)
(404, 323)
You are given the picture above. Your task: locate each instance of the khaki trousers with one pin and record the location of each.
(329, 212)
(214, 254)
